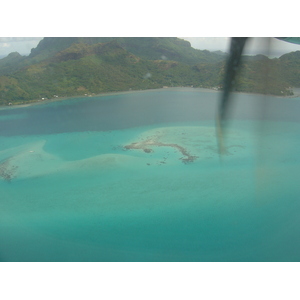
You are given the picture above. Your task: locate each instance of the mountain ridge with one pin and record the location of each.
(151, 48)
(81, 66)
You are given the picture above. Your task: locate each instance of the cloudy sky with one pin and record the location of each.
(259, 45)
(206, 25)
(23, 45)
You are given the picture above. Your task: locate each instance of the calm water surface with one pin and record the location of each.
(137, 177)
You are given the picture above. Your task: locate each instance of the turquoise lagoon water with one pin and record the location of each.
(137, 177)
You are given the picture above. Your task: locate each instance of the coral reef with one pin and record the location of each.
(7, 172)
(145, 146)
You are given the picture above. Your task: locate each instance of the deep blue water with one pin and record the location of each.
(70, 191)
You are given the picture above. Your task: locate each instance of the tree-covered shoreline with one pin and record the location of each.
(70, 67)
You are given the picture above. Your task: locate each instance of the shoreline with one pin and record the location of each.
(103, 94)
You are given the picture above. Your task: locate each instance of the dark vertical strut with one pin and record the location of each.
(236, 49)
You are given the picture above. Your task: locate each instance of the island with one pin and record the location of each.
(147, 145)
(82, 67)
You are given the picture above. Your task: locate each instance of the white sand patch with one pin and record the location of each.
(31, 160)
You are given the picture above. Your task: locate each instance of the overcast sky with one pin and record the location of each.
(198, 23)
(23, 45)
(259, 45)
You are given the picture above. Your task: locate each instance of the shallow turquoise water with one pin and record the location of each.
(79, 195)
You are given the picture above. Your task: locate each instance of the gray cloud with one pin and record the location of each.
(23, 45)
(257, 45)
(271, 47)
(209, 43)
(18, 39)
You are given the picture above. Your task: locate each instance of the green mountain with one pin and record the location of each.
(262, 75)
(290, 68)
(83, 66)
(150, 48)
(11, 63)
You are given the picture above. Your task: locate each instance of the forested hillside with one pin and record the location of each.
(60, 67)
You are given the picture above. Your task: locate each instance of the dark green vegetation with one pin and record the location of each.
(84, 66)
